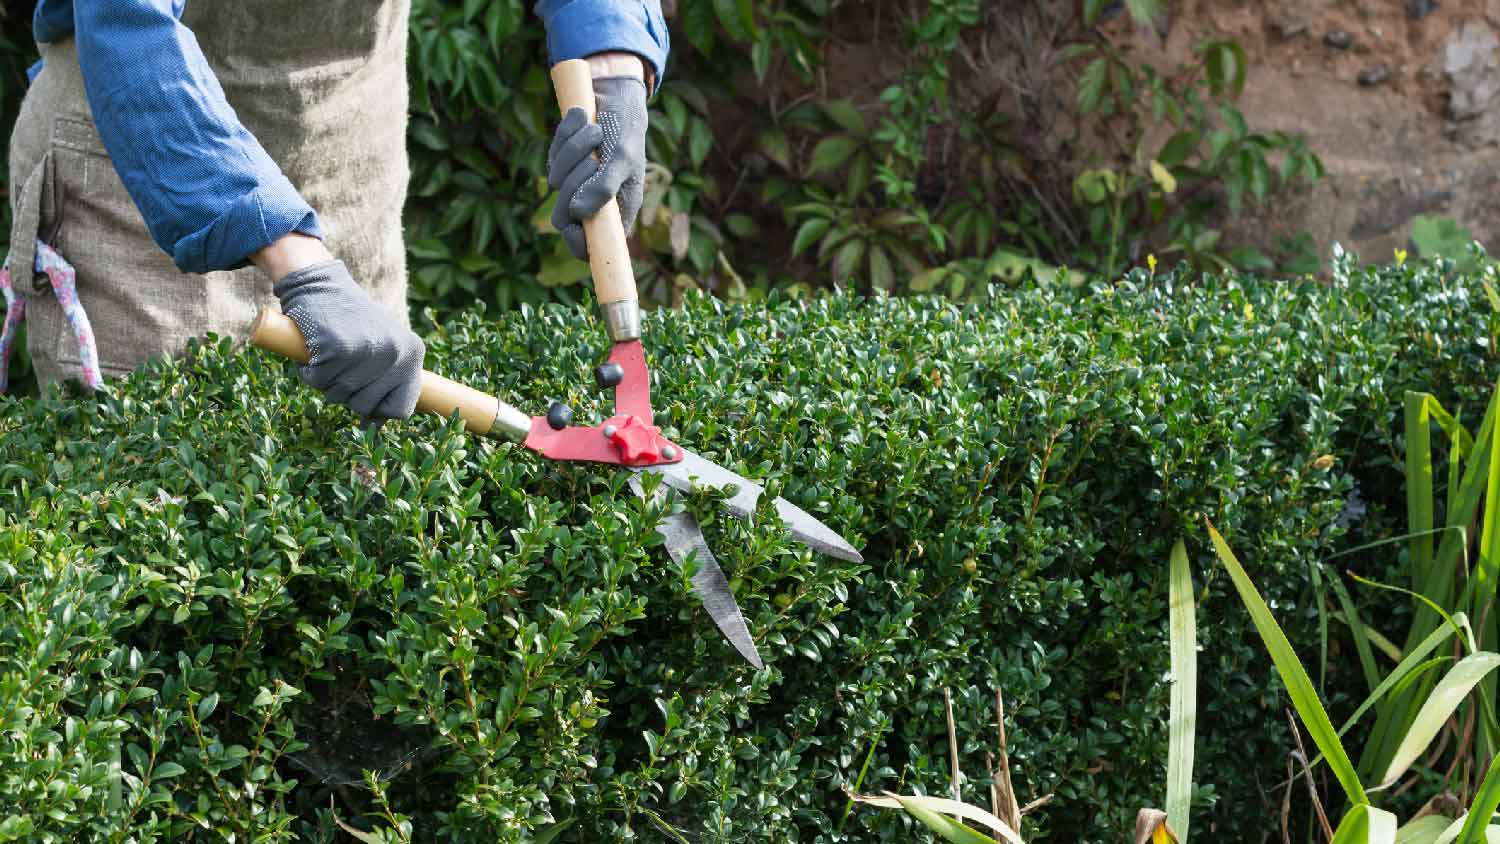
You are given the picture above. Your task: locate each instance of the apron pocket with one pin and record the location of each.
(141, 306)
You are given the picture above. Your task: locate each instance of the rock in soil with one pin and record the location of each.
(1471, 61)
(1418, 9)
(1339, 39)
(1372, 76)
(1288, 28)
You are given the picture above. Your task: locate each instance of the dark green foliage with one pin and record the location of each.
(920, 175)
(209, 577)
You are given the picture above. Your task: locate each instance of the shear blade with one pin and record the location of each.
(803, 527)
(684, 539)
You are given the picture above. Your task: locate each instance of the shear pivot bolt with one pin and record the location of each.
(668, 453)
(609, 375)
(559, 416)
(609, 430)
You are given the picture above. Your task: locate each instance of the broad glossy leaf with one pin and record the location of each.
(1366, 824)
(1439, 707)
(943, 806)
(1423, 830)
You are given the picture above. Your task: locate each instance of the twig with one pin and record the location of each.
(1286, 803)
(1312, 789)
(952, 743)
(1036, 804)
(1012, 813)
(989, 767)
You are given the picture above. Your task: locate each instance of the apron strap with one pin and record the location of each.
(65, 287)
(25, 227)
(64, 280)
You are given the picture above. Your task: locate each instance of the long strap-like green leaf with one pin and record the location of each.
(1396, 714)
(1184, 712)
(1299, 686)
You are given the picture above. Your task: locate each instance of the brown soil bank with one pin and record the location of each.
(1401, 98)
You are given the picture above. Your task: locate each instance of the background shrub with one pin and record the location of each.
(211, 580)
(871, 145)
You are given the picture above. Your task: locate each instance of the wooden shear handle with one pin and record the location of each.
(609, 254)
(482, 413)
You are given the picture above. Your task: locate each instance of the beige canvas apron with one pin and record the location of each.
(321, 85)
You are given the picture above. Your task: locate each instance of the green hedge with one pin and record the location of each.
(213, 569)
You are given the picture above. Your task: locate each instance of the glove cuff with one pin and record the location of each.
(310, 274)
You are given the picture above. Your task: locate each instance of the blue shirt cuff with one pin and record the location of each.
(579, 28)
(253, 222)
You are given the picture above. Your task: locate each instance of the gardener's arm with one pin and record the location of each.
(213, 199)
(207, 190)
(626, 43)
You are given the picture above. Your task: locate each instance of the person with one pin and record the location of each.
(196, 159)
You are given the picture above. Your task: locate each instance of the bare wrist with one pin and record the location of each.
(603, 65)
(289, 254)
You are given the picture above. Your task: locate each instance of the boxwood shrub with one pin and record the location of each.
(228, 613)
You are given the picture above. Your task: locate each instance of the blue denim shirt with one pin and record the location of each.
(211, 195)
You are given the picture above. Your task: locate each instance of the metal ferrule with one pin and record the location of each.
(622, 319)
(511, 424)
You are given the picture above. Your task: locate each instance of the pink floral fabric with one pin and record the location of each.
(65, 288)
(15, 311)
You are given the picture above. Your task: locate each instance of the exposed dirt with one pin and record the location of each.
(1421, 140)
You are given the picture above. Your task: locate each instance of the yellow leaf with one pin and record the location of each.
(1400, 257)
(1151, 828)
(1151, 263)
(1163, 177)
(1249, 312)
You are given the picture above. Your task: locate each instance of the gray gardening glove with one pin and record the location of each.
(362, 357)
(585, 185)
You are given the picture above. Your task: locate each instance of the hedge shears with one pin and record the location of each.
(628, 439)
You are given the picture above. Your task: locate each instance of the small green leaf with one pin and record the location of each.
(830, 153)
(1091, 85)
(359, 834)
(772, 143)
(846, 261)
(697, 20)
(882, 276)
(847, 117)
(168, 770)
(928, 281)
(808, 233)
(549, 834)
(207, 705)
(1178, 149)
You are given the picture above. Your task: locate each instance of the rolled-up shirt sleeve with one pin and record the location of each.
(580, 28)
(209, 193)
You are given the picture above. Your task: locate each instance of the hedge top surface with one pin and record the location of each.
(213, 577)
